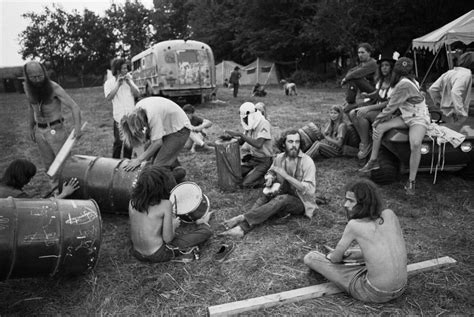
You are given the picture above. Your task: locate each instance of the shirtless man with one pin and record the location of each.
(46, 99)
(153, 224)
(383, 277)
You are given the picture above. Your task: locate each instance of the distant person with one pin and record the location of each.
(360, 77)
(452, 91)
(380, 271)
(46, 122)
(226, 83)
(258, 91)
(153, 224)
(333, 136)
(295, 172)
(234, 80)
(121, 91)
(407, 98)
(198, 126)
(19, 173)
(256, 142)
(363, 116)
(160, 128)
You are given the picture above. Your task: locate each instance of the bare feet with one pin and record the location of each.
(237, 232)
(231, 223)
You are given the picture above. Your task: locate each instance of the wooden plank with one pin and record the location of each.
(308, 292)
(63, 153)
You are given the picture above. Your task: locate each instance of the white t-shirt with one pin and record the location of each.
(123, 101)
(164, 116)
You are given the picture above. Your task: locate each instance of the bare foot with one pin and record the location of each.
(231, 223)
(237, 232)
(205, 219)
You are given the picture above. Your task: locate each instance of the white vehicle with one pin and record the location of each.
(176, 69)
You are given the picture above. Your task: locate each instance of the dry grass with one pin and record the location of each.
(436, 223)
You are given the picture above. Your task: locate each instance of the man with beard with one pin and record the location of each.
(256, 141)
(377, 271)
(296, 173)
(46, 121)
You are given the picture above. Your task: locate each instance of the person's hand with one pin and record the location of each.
(233, 133)
(32, 134)
(364, 94)
(280, 171)
(376, 134)
(132, 164)
(176, 223)
(362, 111)
(70, 187)
(120, 80)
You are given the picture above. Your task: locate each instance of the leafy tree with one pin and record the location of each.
(171, 17)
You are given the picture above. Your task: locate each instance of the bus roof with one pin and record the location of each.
(172, 45)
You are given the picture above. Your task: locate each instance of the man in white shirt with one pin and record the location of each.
(121, 91)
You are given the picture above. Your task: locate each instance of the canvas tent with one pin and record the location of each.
(459, 30)
(223, 71)
(259, 71)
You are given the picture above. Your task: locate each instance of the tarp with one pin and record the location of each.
(259, 71)
(224, 69)
(461, 29)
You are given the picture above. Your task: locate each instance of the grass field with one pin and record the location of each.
(437, 222)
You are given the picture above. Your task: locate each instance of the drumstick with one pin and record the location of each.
(175, 205)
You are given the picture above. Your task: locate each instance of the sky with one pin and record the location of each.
(12, 23)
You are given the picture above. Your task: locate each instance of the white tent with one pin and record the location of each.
(459, 30)
(224, 69)
(259, 71)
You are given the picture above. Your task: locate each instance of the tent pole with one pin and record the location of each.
(448, 56)
(432, 63)
(416, 64)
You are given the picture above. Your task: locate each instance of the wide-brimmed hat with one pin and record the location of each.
(403, 66)
(389, 57)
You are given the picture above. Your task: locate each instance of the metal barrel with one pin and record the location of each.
(41, 237)
(229, 171)
(102, 179)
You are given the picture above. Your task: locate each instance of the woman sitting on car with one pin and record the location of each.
(407, 98)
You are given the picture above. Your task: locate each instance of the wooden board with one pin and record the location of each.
(63, 153)
(308, 292)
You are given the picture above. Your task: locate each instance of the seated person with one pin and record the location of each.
(256, 143)
(197, 135)
(452, 91)
(153, 224)
(383, 274)
(19, 173)
(363, 116)
(360, 78)
(258, 91)
(296, 173)
(407, 98)
(334, 135)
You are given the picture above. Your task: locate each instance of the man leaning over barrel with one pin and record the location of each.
(256, 144)
(296, 174)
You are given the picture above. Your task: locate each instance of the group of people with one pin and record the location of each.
(157, 129)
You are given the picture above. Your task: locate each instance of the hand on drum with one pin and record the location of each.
(132, 164)
(233, 134)
(176, 223)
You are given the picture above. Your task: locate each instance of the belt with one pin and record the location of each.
(49, 124)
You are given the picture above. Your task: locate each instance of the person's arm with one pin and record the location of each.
(435, 91)
(111, 88)
(133, 88)
(31, 123)
(72, 105)
(169, 222)
(204, 125)
(339, 139)
(258, 143)
(147, 154)
(399, 96)
(69, 187)
(461, 85)
(363, 70)
(348, 236)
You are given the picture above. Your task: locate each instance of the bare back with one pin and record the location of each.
(147, 229)
(383, 247)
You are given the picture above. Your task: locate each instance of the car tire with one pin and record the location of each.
(467, 172)
(352, 137)
(388, 172)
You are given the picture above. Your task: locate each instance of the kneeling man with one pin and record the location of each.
(383, 277)
(296, 173)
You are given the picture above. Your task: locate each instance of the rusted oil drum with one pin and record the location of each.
(41, 237)
(229, 171)
(102, 179)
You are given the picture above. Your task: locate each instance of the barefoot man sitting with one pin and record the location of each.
(296, 173)
(382, 273)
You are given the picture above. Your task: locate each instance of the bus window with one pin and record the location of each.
(149, 60)
(189, 56)
(136, 64)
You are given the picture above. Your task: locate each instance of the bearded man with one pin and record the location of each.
(256, 141)
(296, 173)
(46, 121)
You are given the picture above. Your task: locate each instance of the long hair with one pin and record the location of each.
(117, 66)
(280, 143)
(134, 127)
(18, 173)
(369, 202)
(332, 126)
(40, 94)
(154, 184)
(379, 77)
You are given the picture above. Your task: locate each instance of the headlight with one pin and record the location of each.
(466, 146)
(425, 149)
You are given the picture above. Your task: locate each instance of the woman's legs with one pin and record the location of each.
(416, 135)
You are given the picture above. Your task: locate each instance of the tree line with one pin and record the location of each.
(306, 32)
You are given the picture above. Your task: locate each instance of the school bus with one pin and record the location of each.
(176, 69)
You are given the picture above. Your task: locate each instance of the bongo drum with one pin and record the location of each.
(188, 201)
(310, 133)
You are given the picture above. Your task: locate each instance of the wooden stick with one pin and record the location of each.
(309, 292)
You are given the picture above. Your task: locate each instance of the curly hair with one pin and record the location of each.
(134, 127)
(369, 202)
(280, 143)
(117, 66)
(154, 184)
(18, 173)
